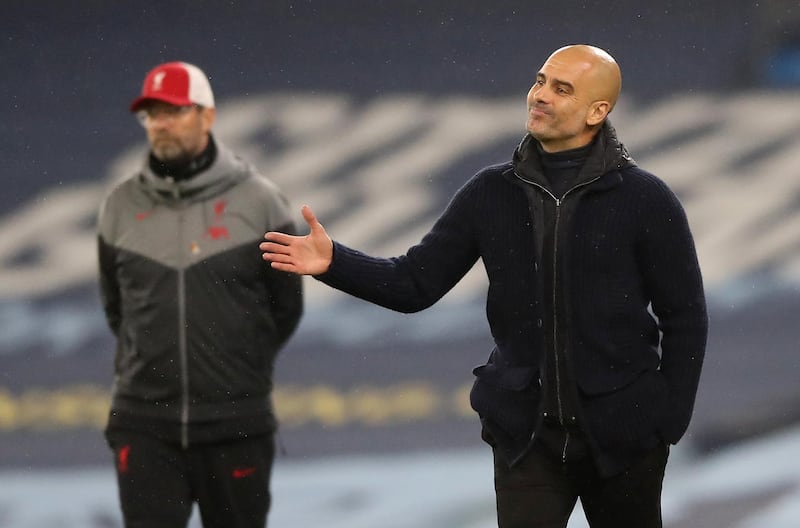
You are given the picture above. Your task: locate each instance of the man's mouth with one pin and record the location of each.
(536, 111)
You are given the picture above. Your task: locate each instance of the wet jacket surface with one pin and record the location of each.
(608, 272)
(199, 318)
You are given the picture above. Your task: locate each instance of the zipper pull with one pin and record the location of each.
(175, 191)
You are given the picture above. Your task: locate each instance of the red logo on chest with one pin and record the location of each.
(219, 209)
(218, 231)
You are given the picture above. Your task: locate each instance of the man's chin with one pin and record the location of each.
(534, 127)
(169, 155)
(535, 133)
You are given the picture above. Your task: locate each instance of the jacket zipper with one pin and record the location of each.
(183, 359)
(183, 355)
(555, 327)
(556, 322)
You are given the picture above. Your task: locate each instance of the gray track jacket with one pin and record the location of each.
(198, 316)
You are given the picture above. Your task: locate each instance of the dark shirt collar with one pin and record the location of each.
(183, 170)
(564, 159)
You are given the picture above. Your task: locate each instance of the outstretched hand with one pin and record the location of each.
(305, 255)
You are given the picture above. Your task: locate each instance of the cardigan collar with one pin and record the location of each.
(607, 157)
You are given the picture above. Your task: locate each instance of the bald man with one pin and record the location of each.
(595, 304)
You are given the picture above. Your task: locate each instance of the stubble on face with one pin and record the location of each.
(168, 148)
(555, 110)
(569, 83)
(179, 141)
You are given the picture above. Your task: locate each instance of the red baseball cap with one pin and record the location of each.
(176, 83)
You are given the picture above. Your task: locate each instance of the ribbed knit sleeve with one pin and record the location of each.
(671, 273)
(414, 281)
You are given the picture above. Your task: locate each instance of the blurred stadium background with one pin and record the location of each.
(374, 112)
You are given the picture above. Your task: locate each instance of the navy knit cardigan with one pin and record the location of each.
(630, 287)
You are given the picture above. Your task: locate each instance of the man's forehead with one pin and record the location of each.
(565, 66)
(591, 71)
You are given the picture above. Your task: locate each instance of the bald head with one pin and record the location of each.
(597, 67)
(574, 91)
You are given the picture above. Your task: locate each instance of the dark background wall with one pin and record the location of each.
(70, 68)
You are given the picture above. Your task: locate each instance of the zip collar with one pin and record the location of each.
(607, 157)
(226, 170)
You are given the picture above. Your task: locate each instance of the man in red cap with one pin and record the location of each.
(198, 319)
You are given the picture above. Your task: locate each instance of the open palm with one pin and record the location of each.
(305, 255)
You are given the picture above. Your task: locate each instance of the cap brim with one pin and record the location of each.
(137, 103)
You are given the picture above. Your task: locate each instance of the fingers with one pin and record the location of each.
(317, 230)
(278, 238)
(278, 257)
(282, 267)
(309, 216)
(286, 239)
(273, 249)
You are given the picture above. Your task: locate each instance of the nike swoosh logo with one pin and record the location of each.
(243, 472)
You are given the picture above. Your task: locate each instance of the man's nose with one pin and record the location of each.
(542, 93)
(536, 98)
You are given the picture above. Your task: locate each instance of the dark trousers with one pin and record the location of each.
(541, 491)
(158, 482)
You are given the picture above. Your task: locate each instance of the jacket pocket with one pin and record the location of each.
(507, 396)
(506, 378)
(627, 416)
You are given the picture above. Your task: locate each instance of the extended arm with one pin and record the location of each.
(407, 283)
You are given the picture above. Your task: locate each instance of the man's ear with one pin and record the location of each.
(598, 112)
(208, 116)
